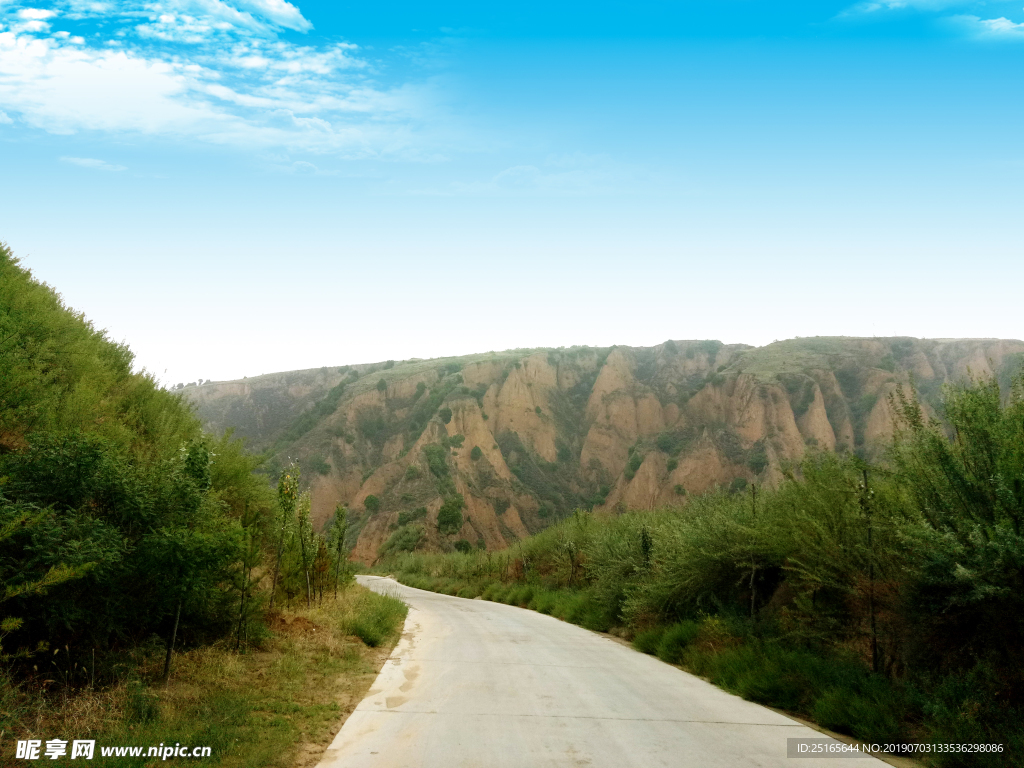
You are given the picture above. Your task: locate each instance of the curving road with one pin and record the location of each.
(475, 683)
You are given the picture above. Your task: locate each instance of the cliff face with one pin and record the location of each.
(519, 439)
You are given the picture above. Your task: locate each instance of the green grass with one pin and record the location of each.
(376, 618)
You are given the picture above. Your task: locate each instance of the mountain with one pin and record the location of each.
(502, 444)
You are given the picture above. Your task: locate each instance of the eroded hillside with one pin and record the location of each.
(485, 449)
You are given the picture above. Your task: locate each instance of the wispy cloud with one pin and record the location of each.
(992, 28)
(90, 162)
(204, 70)
(5, 119)
(279, 12)
(965, 21)
(873, 6)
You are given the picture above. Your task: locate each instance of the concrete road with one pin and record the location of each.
(475, 683)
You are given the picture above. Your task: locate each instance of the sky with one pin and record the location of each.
(236, 187)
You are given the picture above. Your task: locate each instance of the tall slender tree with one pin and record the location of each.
(337, 541)
(287, 494)
(306, 543)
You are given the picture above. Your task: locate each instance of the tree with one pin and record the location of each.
(287, 494)
(476, 453)
(970, 490)
(371, 503)
(449, 516)
(307, 545)
(382, 385)
(445, 414)
(336, 541)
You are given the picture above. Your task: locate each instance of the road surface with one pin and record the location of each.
(476, 684)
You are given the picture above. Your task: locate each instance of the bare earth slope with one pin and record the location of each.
(475, 683)
(524, 437)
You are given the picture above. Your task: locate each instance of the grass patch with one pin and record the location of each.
(375, 618)
(276, 706)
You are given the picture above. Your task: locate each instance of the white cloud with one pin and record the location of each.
(36, 13)
(261, 17)
(868, 7)
(204, 70)
(5, 118)
(871, 6)
(89, 162)
(992, 28)
(282, 13)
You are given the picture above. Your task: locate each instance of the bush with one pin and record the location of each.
(445, 414)
(449, 517)
(675, 639)
(405, 539)
(371, 423)
(635, 461)
(476, 453)
(371, 503)
(405, 518)
(374, 618)
(382, 386)
(648, 640)
(437, 461)
(463, 546)
(544, 601)
(412, 472)
(757, 457)
(671, 465)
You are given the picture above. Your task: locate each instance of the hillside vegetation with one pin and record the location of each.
(882, 601)
(128, 535)
(484, 450)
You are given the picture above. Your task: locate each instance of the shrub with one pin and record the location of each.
(757, 457)
(449, 517)
(371, 503)
(476, 453)
(405, 539)
(679, 490)
(382, 385)
(371, 423)
(648, 640)
(463, 546)
(671, 465)
(408, 516)
(635, 460)
(675, 639)
(412, 472)
(445, 414)
(456, 441)
(537, 410)
(374, 618)
(389, 364)
(436, 461)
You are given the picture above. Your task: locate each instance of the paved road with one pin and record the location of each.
(484, 685)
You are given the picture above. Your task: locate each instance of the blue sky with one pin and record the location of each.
(236, 187)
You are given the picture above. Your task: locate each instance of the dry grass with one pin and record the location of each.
(278, 706)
